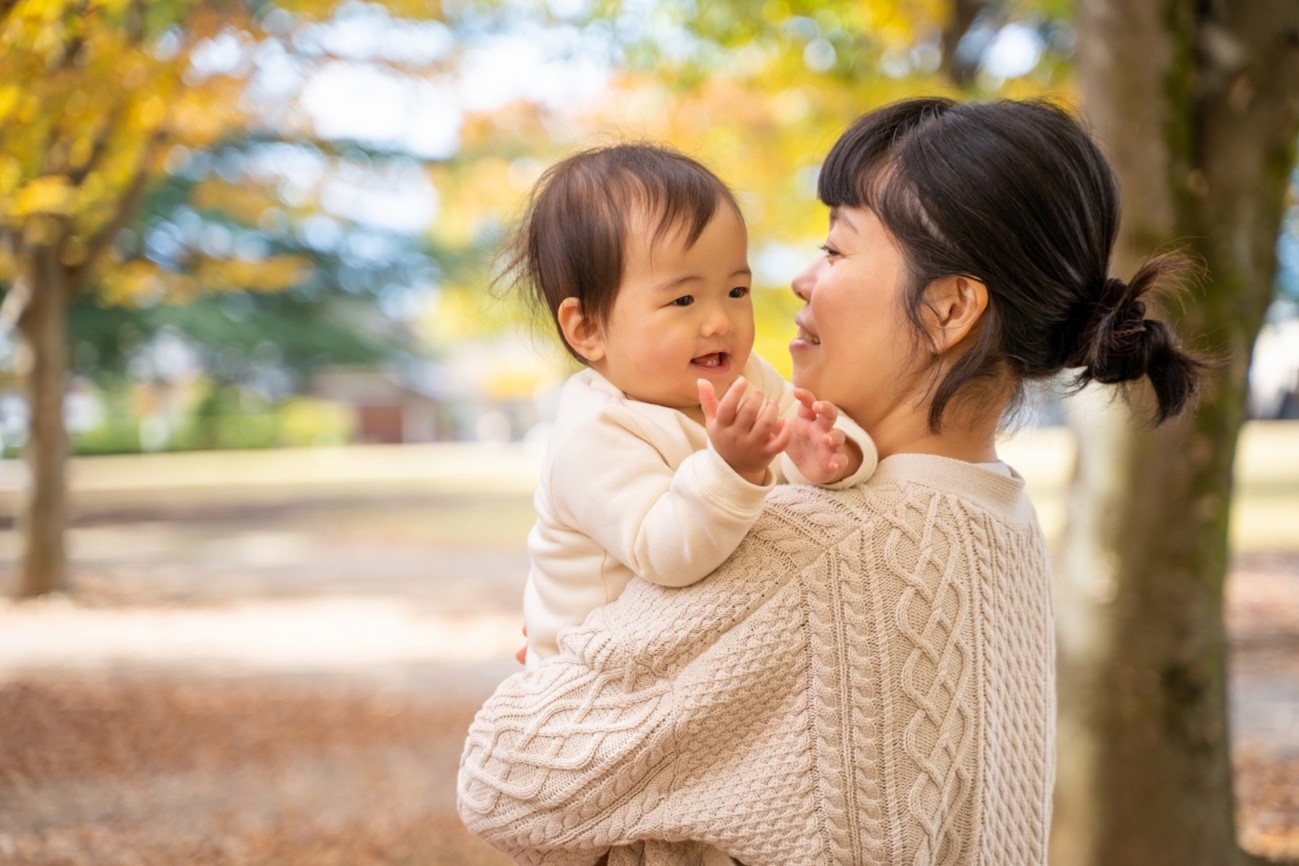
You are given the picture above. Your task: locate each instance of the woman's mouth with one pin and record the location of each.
(805, 336)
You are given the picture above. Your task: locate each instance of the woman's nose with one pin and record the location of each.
(803, 283)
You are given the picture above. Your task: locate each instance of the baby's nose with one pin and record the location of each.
(717, 321)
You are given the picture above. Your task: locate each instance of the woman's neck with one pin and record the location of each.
(966, 434)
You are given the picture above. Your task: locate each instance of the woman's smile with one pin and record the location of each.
(806, 336)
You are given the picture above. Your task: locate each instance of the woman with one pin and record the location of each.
(870, 677)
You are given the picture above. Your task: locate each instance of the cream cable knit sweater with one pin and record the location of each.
(869, 679)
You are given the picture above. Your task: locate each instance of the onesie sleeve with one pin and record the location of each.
(668, 527)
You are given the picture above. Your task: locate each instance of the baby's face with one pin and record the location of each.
(681, 313)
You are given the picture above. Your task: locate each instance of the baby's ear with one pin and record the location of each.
(581, 333)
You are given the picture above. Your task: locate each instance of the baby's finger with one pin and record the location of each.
(806, 403)
(780, 438)
(750, 408)
(779, 430)
(732, 401)
(707, 399)
(765, 418)
(834, 439)
(826, 414)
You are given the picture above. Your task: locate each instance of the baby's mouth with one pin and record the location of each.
(713, 359)
(808, 338)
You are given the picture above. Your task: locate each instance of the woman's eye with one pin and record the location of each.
(739, 291)
(830, 252)
(684, 301)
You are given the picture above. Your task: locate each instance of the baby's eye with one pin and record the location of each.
(684, 301)
(739, 291)
(830, 252)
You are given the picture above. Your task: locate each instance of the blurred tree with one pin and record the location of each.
(1198, 106)
(91, 93)
(147, 157)
(266, 292)
(319, 180)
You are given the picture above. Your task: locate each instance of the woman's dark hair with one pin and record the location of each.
(572, 238)
(1018, 196)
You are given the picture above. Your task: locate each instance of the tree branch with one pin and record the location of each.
(960, 69)
(135, 22)
(97, 245)
(99, 148)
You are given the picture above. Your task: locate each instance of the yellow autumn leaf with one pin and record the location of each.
(114, 7)
(150, 113)
(128, 283)
(52, 194)
(9, 96)
(268, 275)
(11, 174)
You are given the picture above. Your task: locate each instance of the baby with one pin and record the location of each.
(665, 446)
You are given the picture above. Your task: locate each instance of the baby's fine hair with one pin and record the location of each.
(572, 238)
(1017, 195)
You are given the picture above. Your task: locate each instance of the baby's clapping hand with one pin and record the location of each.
(745, 427)
(820, 452)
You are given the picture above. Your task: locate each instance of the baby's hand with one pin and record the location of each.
(745, 427)
(820, 452)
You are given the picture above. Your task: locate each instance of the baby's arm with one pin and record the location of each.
(670, 527)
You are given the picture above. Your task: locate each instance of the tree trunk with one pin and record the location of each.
(1196, 104)
(960, 66)
(43, 325)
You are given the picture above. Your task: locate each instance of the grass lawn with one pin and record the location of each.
(1265, 514)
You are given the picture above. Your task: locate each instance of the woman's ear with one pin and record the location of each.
(956, 304)
(581, 333)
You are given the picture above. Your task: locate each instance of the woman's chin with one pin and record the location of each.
(802, 375)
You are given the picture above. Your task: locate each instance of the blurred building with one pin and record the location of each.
(1274, 369)
(385, 408)
(496, 390)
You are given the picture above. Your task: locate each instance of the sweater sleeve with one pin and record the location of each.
(668, 527)
(568, 760)
(631, 734)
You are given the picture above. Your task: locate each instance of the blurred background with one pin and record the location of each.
(268, 433)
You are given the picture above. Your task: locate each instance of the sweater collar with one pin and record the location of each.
(990, 490)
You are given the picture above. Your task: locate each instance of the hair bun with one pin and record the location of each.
(1119, 344)
(1121, 338)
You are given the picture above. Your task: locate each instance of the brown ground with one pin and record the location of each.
(127, 740)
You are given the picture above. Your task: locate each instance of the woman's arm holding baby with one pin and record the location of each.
(625, 737)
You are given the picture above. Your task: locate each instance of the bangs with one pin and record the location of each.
(879, 163)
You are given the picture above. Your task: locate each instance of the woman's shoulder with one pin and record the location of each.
(800, 514)
(905, 486)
